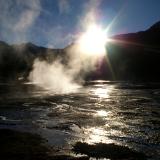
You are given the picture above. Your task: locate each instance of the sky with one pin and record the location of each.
(57, 23)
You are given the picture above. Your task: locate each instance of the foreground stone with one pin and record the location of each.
(111, 151)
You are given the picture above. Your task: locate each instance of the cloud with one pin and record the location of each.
(90, 10)
(17, 17)
(57, 37)
(64, 6)
(28, 16)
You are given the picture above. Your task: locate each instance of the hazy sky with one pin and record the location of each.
(55, 23)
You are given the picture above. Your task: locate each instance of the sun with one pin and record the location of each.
(93, 41)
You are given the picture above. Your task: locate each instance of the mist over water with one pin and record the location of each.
(66, 78)
(63, 78)
(53, 76)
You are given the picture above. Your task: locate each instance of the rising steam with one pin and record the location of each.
(63, 78)
(66, 78)
(53, 76)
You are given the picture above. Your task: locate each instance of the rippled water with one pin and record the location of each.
(109, 112)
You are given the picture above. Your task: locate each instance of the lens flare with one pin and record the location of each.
(93, 41)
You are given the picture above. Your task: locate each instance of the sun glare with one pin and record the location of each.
(93, 41)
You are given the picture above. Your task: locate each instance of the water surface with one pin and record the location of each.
(110, 112)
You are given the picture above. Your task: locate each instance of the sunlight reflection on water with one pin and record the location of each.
(101, 93)
(102, 113)
(96, 135)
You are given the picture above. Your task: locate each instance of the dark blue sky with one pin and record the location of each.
(55, 23)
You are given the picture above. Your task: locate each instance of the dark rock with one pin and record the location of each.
(111, 151)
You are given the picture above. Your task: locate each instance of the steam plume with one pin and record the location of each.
(65, 78)
(53, 76)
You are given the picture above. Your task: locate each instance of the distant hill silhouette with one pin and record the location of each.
(136, 56)
(148, 37)
(132, 56)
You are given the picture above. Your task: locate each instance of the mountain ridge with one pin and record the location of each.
(129, 55)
